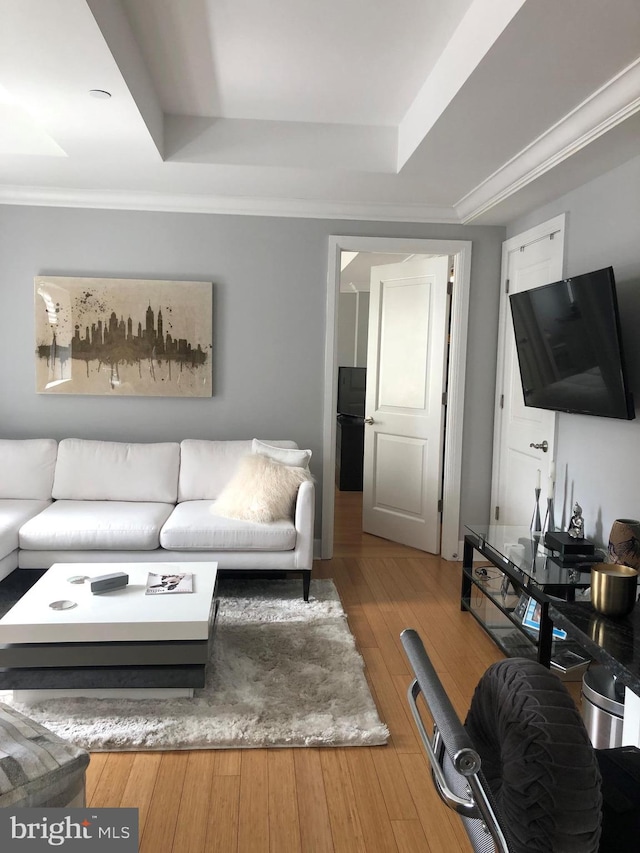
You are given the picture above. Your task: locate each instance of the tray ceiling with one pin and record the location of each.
(469, 110)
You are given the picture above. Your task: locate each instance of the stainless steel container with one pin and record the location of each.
(614, 589)
(602, 709)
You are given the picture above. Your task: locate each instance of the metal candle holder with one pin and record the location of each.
(536, 524)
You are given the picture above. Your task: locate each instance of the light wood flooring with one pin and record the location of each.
(358, 800)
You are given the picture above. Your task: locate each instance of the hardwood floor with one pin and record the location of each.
(358, 800)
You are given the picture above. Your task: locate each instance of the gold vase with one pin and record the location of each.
(614, 589)
(624, 542)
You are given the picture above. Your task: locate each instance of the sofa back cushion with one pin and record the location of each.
(207, 466)
(116, 471)
(27, 467)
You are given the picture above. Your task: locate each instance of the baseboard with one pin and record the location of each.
(477, 557)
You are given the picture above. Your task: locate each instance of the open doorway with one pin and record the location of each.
(352, 345)
(342, 252)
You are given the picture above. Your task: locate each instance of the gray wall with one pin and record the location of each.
(353, 316)
(598, 459)
(364, 299)
(269, 279)
(347, 319)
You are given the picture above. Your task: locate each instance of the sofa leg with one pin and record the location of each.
(306, 583)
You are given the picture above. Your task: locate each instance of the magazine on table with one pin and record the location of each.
(162, 584)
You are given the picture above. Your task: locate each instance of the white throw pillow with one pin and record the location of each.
(287, 456)
(261, 490)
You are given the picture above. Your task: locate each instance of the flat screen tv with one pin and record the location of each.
(352, 383)
(569, 346)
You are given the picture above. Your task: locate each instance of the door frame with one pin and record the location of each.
(460, 250)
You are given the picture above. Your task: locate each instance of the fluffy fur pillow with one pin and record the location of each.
(261, 490)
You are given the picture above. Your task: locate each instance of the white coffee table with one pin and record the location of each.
(121, 643)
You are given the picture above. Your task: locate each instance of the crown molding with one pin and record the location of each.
(605, 108)
(210, 204)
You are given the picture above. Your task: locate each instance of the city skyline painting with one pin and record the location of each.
(123, 337)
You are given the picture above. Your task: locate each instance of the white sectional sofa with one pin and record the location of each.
(102, 501)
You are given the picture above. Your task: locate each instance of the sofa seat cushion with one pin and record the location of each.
(194, 526)
(95, 525)
(13, 515)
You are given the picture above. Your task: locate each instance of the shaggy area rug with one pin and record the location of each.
(283, 672)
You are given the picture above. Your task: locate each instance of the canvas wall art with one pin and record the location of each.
(123, 337)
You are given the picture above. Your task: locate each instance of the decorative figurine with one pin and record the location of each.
(576, 525)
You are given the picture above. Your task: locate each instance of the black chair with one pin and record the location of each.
(521, 772)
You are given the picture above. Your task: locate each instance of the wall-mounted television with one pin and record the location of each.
(569, 346)
(352, 383)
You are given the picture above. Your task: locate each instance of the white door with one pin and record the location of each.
(530, 259)
(404, 402)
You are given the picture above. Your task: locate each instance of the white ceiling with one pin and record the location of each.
(423, 110)
(355, 275)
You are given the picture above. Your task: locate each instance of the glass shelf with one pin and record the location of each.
(520, 569)
(524, 552)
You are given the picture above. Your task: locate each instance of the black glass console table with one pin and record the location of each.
(613, 642)
(510, 597)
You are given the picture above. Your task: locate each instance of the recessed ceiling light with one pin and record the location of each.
(99, 93)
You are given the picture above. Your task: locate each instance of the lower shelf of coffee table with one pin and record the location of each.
(102, 677)
(65, 655)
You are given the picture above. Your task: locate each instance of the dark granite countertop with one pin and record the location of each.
(615, 643)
